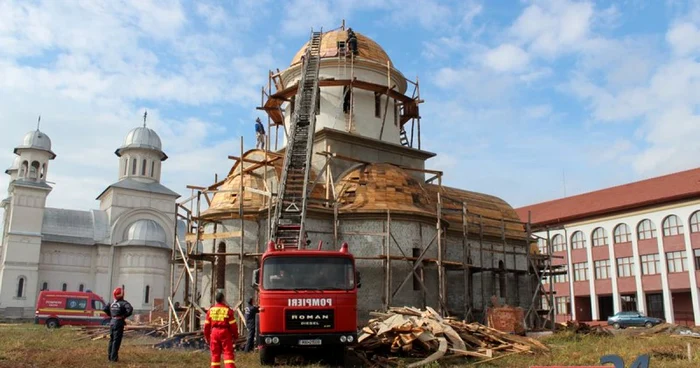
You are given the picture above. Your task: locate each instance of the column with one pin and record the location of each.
(613, 271)
(591, 278)
(641, 296)
(668, 302)
(691, 272)
(570, 271)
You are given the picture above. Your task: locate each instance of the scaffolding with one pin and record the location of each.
(188, 260)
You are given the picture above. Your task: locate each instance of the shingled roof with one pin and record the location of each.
(655, 191)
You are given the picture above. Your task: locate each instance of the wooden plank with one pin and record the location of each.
(442, 349)
(191, 237)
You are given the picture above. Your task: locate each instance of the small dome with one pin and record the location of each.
(15, 165)
(145, 232)
(142, 137)
(366, 47)
(36, 140)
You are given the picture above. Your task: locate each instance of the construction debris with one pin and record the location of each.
(507, 319)
(411, 332)
(102, 332)
(583, 329)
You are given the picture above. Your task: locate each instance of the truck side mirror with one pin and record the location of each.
(358, 279)
(256, 278)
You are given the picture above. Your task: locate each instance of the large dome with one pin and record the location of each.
(145, 232)
(142, 137)
(15, 165)
(366, 47)
(36, 140)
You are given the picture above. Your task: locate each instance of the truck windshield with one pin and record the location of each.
(308, 273)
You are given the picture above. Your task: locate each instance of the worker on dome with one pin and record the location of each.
(352, 41)
(220, 332)
(119, 310)
(260, 133)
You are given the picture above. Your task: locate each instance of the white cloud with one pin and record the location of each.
(506, 58)
(684, 38)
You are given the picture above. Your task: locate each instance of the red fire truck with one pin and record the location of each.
(308, 300)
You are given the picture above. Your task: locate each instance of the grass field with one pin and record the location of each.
(24, 346)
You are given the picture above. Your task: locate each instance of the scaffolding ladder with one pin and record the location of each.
(290, 211)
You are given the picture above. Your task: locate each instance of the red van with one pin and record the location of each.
(76, 308)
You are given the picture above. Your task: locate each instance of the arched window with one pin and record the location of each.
(21, 286)
(34, 170)
(153, 168)
(43, 171)
(81, 287)
(147, 294)
(143, 167)
(695, 222)
(646, 230)
(125, 162)
(578, 241)
(558, 243)
(45, 286)
(621, 234)
(133, 167)
(600, 237)
(23, 169)
(672, 226)
(502, 279)
(64, 287)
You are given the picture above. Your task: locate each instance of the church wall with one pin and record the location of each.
(138, 267)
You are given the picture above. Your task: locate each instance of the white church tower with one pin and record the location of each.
(24, 213)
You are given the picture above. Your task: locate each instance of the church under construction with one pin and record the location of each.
(416, 241)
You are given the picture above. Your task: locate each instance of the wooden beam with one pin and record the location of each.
(195, 187)
(192, 237)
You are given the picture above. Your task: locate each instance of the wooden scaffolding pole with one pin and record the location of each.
(441, 270)
(241, 268)
(387, 261)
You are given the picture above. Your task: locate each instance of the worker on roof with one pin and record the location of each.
(260, 133)
(221, 332)
(119, 310)
(352, 41)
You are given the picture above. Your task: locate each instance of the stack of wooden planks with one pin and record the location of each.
(411, 332)
(102, 332)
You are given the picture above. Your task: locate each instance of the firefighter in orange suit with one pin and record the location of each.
(220, 332)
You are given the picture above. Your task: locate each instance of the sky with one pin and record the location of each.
(525, 100)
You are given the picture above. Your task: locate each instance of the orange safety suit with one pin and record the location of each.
(220, 332)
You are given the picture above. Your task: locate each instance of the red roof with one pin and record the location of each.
(663, 189)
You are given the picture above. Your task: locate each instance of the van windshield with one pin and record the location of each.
(308, 273)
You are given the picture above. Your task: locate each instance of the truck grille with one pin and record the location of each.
(310, 319)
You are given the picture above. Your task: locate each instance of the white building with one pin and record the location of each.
(127, 242)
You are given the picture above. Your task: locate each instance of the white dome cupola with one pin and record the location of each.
(33, 156)
(141, 154)
(145, 232)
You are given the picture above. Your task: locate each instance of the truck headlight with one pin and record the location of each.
(350, 338)
(268, 340)
(343, 339)
(275, 340)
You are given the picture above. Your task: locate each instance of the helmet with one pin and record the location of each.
(118, 293)
(258, 120)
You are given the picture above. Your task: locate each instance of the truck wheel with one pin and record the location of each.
(267, 356)
(52, 323)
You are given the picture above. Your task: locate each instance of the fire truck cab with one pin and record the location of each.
(308, 300)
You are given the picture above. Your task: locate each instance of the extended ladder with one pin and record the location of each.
(290, 211)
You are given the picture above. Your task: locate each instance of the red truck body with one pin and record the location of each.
(308, 299)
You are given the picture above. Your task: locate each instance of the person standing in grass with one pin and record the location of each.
(221, 332)
(119, 310)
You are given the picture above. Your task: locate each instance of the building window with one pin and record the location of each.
(64, 287)
(602, 269)
(347, 99)
(564, 276)
(501, 279)
(34, 170)
(153, 168)
(600, 237)
(695, 222)
(377, 105)
(625, 267)
(622, 233)
(542, 245)
(672, 226)
(646, 230)
(558, 243)
(21, 286)
(133, 167)
(147, 295)
(43, 171)
(651, 264)
(545, 301)
(677, 261)
(143, 168)
(23, 169)
(81, 287)
(563, 303)
(629, 303)
(581, 271)
(545, 279)
(578, 241)
(696, 253)
(44, 285)
(125, 163)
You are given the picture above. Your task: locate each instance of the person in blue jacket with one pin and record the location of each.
(260, 133)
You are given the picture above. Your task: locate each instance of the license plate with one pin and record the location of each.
(310, 342)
